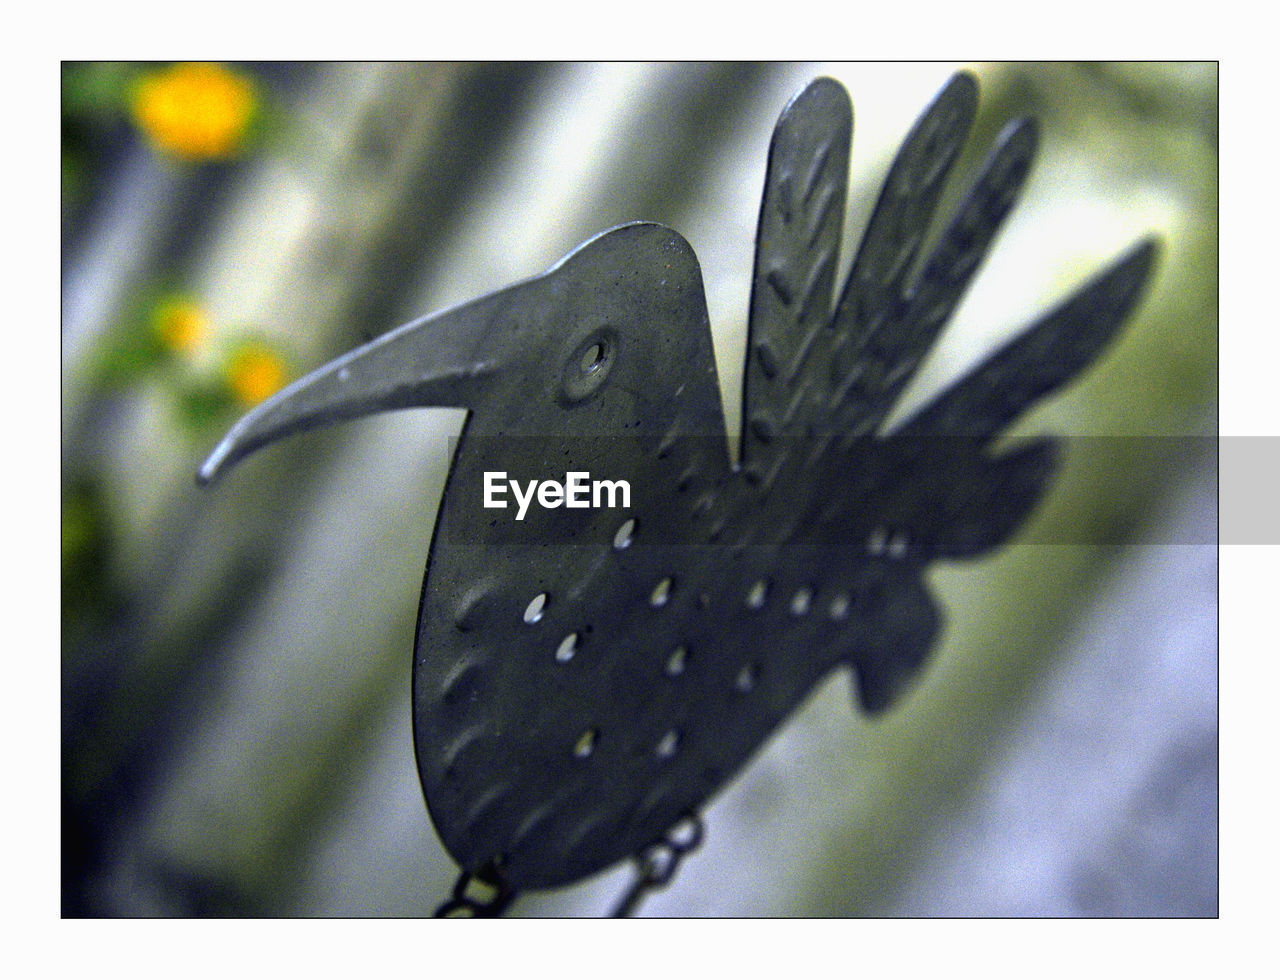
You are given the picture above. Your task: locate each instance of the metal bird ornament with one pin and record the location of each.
(586, 678)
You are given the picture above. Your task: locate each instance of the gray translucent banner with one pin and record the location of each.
(900, 496)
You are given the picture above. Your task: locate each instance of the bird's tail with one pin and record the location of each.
(1043, 358)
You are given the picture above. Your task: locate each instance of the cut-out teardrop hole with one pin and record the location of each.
(568, 647)
(897, 546)
(625, 534)
(800, 601)
(661, 593)
(877, 542)
(668, 744)
(676, 662)
(746, 680)
(757, 594)
(839, 608)
(537, 606)
(586, 743)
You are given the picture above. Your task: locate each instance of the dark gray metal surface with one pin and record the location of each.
(584, 679)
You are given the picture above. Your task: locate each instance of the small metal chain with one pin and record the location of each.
(481, 894)
(484, 894)
(656, 864)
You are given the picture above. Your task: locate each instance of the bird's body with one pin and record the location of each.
(584, 678)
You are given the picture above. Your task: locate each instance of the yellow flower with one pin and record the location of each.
(195, 111)
(180, 326)
(255, 372)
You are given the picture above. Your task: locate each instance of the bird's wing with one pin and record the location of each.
(891, 342)
(951, 497)
(954, 500)
(797, 250)
(895, 233)
(815, 371)
(992, 500)
(1043, 358)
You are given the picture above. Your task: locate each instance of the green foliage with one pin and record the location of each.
(97, 91)
(85, 545)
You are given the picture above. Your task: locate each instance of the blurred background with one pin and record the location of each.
(236, 661)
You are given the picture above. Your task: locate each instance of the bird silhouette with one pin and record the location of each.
(585, 678)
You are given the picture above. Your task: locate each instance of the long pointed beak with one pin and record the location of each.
(438, 360)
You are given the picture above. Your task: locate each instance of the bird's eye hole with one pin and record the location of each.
(588, 365)
(537, 605)
(593, 358)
